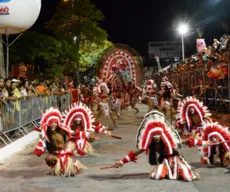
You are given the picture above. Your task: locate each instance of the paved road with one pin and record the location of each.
(27, 173)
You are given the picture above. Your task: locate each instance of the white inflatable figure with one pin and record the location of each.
(17, 16)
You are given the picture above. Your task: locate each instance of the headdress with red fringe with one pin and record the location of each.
(78, 110)
(183, 110)
(154, 124)
(98, 88)
(151, 83)
(216, 130)
(165, 84)
(52, 115)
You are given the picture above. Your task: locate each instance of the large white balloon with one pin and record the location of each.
(17, 16)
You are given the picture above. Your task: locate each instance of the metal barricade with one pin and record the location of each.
(37, 107)
(16, 115)
(26, 111)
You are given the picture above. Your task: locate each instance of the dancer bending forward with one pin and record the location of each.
(156, 136)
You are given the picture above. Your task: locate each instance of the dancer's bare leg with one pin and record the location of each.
(150, 104)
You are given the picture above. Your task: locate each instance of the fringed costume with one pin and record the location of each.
(81, 120)
(102, 92)
(192, 116)
(167, 94)
(218, 149)
(154, 136)
(54, 137)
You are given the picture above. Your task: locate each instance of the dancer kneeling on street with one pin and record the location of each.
(154, 136)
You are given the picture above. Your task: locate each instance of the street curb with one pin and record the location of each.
(9, 150)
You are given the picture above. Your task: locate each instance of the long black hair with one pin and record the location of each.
(214, 151)
(152, 152)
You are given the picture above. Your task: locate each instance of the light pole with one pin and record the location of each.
(183, 29)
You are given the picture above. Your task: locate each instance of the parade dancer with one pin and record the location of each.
(53, 138)
(154, 136)
(102, 93)
(151, 92)
(81, 120)
(213, 144)
(192, 116)
(117, 96)
(134, 95)
(167, 94)
(86, 96)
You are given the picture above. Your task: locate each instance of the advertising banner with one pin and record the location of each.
(165, 49)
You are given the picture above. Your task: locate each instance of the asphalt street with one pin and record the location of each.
(25, 172)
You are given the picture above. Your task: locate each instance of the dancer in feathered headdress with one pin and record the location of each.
(101, 91)
(167, 94)
(213, 144)
(80, 119)
(192, 115)
(54, 137)
(154, 136)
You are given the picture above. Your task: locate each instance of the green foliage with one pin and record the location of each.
(64, 55)
(91, 53)
(80, 21)
(32, 45)
(59, 56)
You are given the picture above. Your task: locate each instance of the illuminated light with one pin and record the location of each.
(183, 29)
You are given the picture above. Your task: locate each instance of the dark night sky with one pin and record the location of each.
(135, 23)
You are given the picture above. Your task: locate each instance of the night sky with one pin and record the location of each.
(135, 23)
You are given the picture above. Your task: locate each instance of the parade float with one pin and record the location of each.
(204, 74)
(120, 64)
(16, 17)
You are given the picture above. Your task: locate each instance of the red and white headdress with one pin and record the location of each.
(183, 110)
(98, 88)
(152, 125)
(151, 83)
(78, 110)
(52, 115)
(165, 84)
(216, 130)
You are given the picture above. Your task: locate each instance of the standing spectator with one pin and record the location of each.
(41, 88)
(24, 88)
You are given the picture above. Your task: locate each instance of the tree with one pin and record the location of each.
(80, 21)
(90, 54)
(36, 48)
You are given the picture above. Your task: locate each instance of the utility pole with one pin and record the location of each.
(2, 63)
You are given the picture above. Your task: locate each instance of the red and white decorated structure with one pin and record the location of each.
(122, 60)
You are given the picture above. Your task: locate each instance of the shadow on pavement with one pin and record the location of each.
(119, 176)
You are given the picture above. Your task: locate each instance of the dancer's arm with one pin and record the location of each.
(132, 156)
(191, 142)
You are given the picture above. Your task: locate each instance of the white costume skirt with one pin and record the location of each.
(173, 168)
(105, 108)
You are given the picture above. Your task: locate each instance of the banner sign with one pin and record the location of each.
(165, 49)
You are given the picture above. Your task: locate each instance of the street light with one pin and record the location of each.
(183, 29)
(68, 1)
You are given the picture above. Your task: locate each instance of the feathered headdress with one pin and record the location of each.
(52, 115)
(216, 130)
(151, 84)
(154, 124)
(165, 84)
(184, 107)
(78, 110)
(98, 87)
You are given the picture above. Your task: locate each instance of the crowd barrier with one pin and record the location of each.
(16, 115)
(215, 95)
